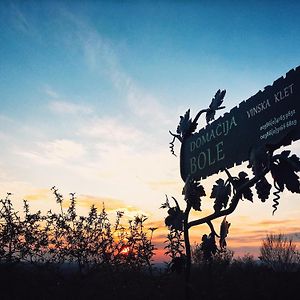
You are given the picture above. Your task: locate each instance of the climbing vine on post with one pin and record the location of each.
(261, 125)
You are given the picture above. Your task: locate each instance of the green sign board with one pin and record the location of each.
(270, 116)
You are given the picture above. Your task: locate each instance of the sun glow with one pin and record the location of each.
(125, 250)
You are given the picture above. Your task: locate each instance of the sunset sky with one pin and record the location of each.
(89, 91)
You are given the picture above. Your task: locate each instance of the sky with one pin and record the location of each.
(90, 89)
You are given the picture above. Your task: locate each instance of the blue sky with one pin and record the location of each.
(89, 90)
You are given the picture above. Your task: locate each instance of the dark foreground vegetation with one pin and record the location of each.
(66, 256)
(239, 281)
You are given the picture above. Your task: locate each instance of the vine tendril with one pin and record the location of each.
(172, 146)
(277, 197)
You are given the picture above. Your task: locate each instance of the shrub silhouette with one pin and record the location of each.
(10, 232)
(108, 260)
(203, 254)
(90, 242)
(279, 253)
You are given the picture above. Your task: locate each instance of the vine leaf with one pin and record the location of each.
(186, 125)
(175, 217)
(208, 246)
(224, 229)
(295, 162)
(241, 180)
(263, 188)
(283, 170)
(193, 192)
(258, 159)
(214, 105)
(221, 192)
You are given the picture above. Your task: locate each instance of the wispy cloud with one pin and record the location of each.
(19, 19)
(55, 151)
(64, 107)
(49, 91)
(145, 105)
(101, 57)
(18, 188)
(163, 183)
(273, 222)
(109, 129)
(110, 204)
(38, 195)
(58, 103)
(3, 135)
(240, 251)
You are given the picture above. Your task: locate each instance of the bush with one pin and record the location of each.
(88, 242)
(279, 253)
(245, 262)
(220, 257)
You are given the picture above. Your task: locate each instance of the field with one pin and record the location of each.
(238, 281)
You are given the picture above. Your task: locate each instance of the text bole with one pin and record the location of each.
(207, 157)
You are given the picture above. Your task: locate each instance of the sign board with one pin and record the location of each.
(264, 119)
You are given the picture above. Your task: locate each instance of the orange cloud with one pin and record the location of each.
(274, 222)
(110, 204)
(38, 194)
